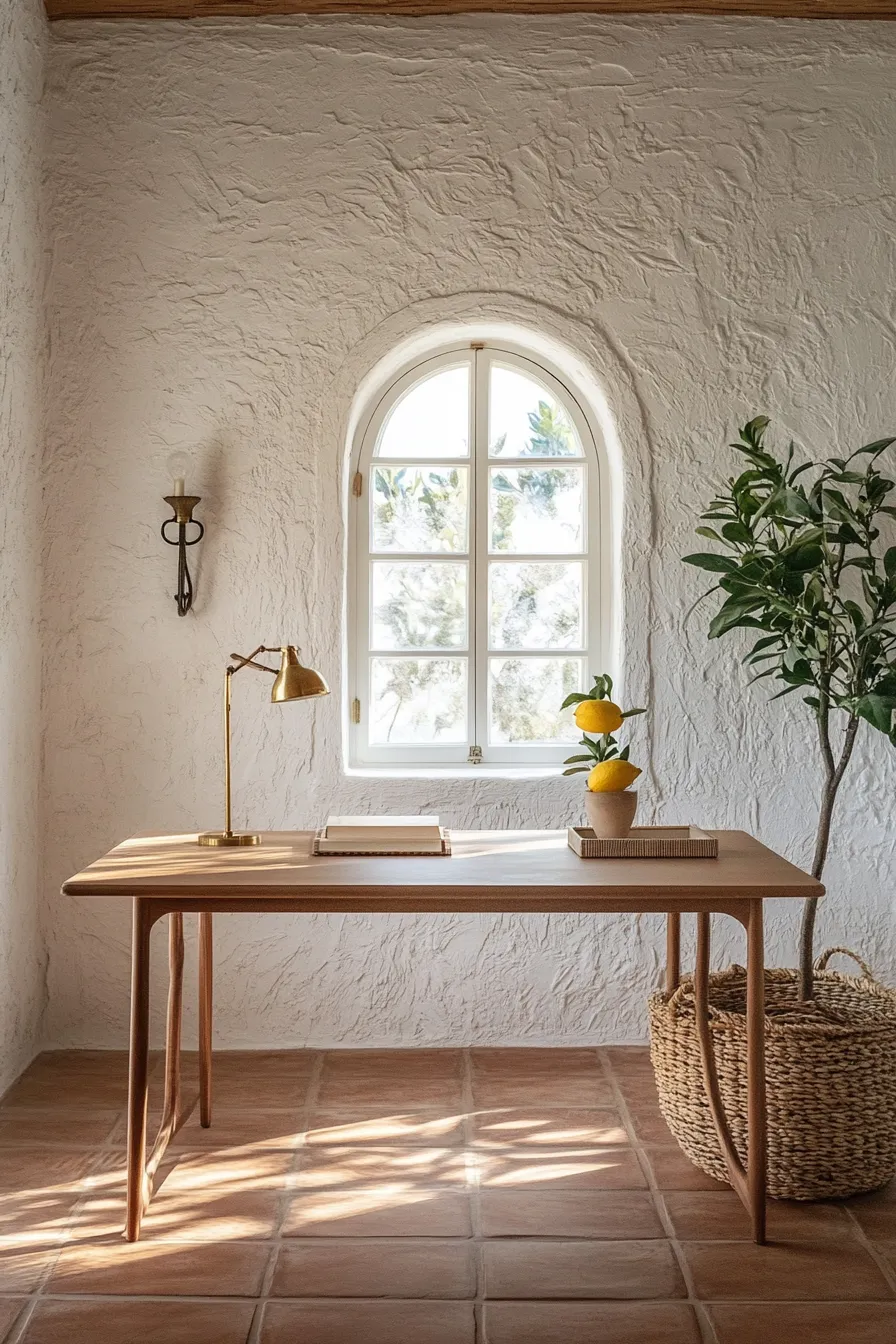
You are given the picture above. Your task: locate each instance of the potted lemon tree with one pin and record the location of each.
(803, 566)
(610, 802)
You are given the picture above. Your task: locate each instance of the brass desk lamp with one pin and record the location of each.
(291, 682)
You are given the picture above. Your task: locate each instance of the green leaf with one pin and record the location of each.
(709, 532)
(890, 562)
(877, 447)
(588, 756)
(738, 534)
(807, 557)
(786, 691)
(733, 613)
(578, 770)
(630, 713)
(877, 710)
(765, 643)
(718, 564)
(575, 698)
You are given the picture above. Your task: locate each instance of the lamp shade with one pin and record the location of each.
(295, 682)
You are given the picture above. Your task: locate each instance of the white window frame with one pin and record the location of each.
(596, 556)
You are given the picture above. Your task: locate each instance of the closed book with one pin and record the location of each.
(325, 845)
(370, 829)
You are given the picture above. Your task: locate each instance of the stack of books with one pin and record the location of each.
(382, 835)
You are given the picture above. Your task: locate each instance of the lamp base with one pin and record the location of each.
(228, 838)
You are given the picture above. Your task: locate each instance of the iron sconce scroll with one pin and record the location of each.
(183, 506)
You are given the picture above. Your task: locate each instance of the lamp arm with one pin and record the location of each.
(243, 660)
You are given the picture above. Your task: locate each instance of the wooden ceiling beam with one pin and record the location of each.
(204, 9)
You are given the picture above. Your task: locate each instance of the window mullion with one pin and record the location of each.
(479, 550)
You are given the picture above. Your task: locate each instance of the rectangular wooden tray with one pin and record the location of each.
(319, 851)
(645, 842)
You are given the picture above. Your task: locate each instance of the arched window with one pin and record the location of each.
(478, 590)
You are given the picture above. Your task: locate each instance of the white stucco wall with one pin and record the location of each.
(248, 216)
(22, 47)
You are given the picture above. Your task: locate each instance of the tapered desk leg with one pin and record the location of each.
(205, 1019)
(138, 1081)
(757, 1120)
(748, 1183)
(673, 952)
(171, 1104)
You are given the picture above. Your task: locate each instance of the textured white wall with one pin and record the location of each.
(22, 49)
(246, 217)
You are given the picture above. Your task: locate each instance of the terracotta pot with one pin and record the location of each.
(610, 815)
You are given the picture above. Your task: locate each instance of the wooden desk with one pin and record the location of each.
(490, 872)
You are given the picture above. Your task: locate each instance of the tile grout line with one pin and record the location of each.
(471, 1163)
(285, 1198)
(704, 1321)
(879, 1259)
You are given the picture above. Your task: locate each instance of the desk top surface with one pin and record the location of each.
(487, 870)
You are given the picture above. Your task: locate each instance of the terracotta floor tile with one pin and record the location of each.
(270, 1079)
(163, 1269)
(414, 1269)
(231, 1170)
(876, 1213)
(648, 1123)
(792, 1271)
(408, 1167)
(673, 1171)
(136, 1322)
(240, 1170)
(96, 1078)
(545, 1126)
(590, 1323)
(554, 1077)
(347, 1322)
(577, 1269)
(72, 1128)
(232, 1128)
(392, 1077)
(711, 1215)
(22, 1267)
(43, 1170)
(185, 1215)
(565, 1168)
(531, 1061)
(805, 1322)
(10, 1308)
(36, 1218)
(612, 1215)
(379, 1212)
(638, 1089)
(432, 1126)
(628, 1060)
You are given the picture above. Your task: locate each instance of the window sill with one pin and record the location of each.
(454, 772)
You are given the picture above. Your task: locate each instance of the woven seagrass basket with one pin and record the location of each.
(831, 1074)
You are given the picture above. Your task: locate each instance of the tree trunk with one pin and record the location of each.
(832, 784)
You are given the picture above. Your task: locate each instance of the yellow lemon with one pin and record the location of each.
(598, 716)
(612, 776)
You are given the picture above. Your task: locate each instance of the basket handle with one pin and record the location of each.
(822, 961)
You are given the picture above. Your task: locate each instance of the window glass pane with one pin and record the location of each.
(526, 420)
(419, 508)
(536, 509)
(535, 606)
(418, 700)
(524, 699)
(419, 605)
(432, 419)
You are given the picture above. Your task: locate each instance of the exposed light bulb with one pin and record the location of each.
(177, 466)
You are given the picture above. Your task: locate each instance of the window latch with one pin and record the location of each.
(475, 756)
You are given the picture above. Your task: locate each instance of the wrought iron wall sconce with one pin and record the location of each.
(183, 506)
